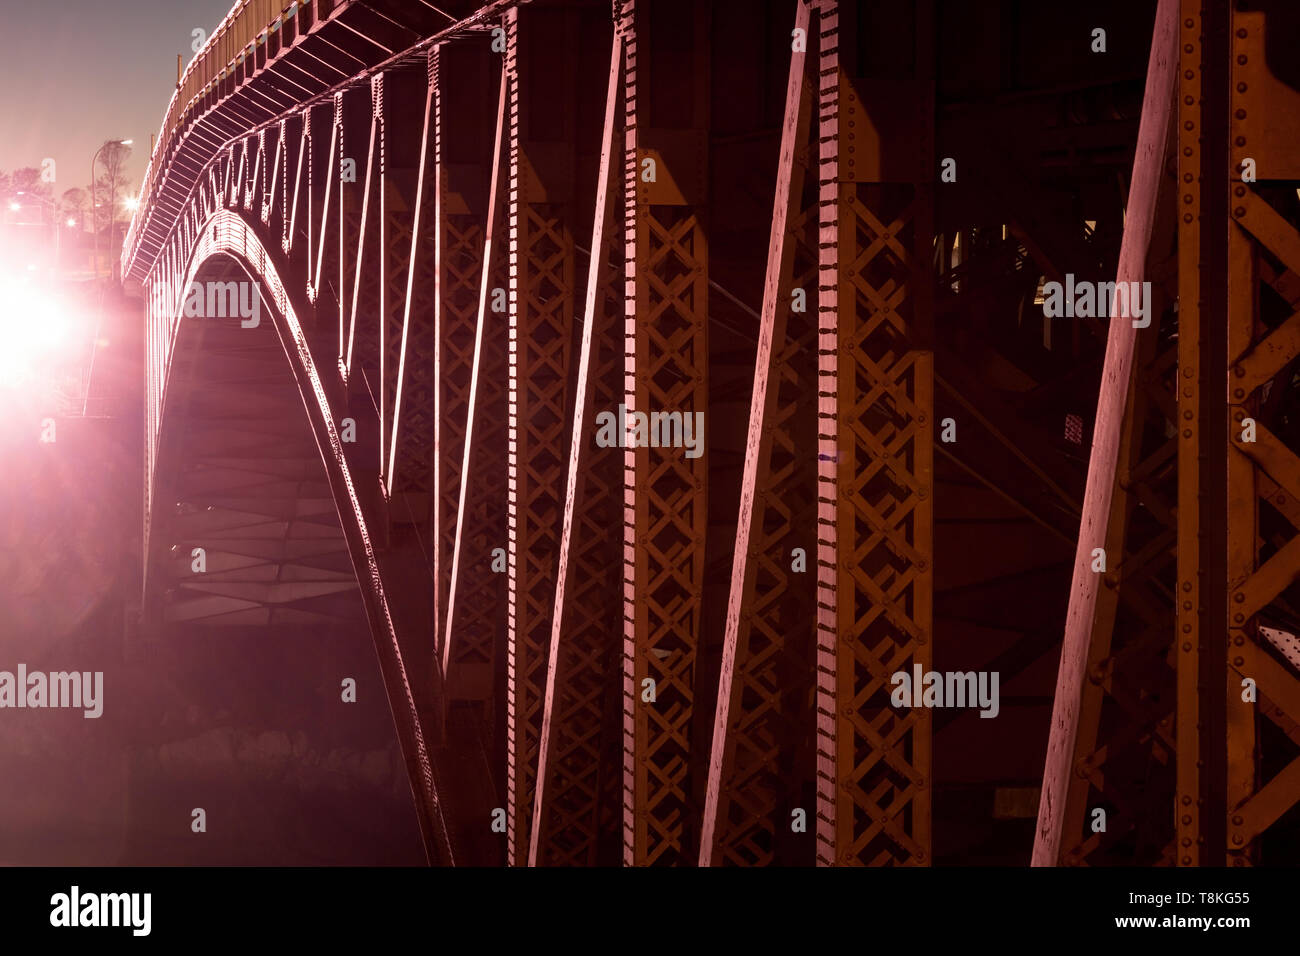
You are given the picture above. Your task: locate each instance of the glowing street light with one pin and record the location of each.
(131, 202)
(36, 328)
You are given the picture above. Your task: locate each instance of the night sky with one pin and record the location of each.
(74, 73)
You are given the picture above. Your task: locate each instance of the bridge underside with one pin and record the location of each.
(820, 232)
(259, 622)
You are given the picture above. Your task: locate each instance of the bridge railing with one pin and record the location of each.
(250, 24)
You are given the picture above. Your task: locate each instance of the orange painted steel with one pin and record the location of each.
(875, 479)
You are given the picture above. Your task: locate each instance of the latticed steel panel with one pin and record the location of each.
(541, 296)
(665, 517)
(582, 794)
(875, 508)
(1263, 463)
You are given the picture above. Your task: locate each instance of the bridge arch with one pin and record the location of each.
(228, 248)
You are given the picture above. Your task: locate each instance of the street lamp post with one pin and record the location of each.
(94, 233)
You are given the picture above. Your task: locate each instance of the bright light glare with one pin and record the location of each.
(72, 222)
(131, 202)
(14, 206)
(34, 328)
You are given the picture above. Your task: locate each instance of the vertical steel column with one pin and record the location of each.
(277, 186)
(239, 174)
(227, 163)
(154, 288)
(1256, 583)
(875, 461)
(1187, 830)
(542, 215)
(666, 370)
(441, 503)
(1216, 482)
(296, 194)
(254, 188)
(388, 272)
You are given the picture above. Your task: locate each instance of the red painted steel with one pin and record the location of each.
(1148, 165)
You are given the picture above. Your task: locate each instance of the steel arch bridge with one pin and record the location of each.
(472, 229)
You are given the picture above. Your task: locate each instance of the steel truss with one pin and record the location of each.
(473, 247)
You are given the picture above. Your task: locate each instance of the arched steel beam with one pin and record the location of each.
(227, 233)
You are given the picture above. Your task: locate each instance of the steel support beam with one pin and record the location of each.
(1190, 847)
(875, 562)
(666, 371)
(410, 471)
(544, 215)
(765, 674)
(578, 756)
(1148, 165)
(475, 616)
(1262, 785)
